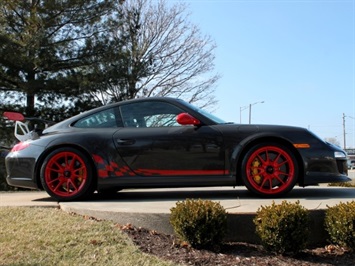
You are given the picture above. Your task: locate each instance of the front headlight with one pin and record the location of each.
(340, 154)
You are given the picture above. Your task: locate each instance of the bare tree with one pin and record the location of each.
(163, 55)
(333, 140)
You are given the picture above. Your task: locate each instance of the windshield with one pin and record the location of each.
(207, 114)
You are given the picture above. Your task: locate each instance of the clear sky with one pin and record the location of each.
(296, 56)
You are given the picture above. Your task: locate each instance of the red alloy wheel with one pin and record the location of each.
(270, 170)
(66, 175)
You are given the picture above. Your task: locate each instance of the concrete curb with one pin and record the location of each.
(153, 221)
(240, 225)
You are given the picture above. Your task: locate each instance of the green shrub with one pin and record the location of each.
(340, 224)
(201, 223)
(283, 228)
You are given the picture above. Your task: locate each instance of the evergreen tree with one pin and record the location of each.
(49, 50)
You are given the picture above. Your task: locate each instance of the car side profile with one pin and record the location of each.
(166, 142)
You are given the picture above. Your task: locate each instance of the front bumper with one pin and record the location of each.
(326, 170)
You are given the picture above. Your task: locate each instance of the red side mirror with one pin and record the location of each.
(14, 116)
(187, 119)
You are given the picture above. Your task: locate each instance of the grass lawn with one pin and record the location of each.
(49, 236)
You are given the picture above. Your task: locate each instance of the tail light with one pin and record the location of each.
(20, 146)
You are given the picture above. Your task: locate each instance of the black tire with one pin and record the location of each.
(269, 170)
(67, 175)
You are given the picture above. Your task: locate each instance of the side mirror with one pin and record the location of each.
(187, 119)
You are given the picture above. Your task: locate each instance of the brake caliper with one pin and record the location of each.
(257, 178)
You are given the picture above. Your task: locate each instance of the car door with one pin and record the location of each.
(152, 143)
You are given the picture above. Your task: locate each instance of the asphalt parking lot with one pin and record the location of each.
(150, 208)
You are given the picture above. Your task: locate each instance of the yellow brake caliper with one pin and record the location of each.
(80, 178)
(256, 176)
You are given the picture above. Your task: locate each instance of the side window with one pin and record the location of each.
(102, 119)
(150, 114)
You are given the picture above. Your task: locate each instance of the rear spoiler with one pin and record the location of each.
(22, 131)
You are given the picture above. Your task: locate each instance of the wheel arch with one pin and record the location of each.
(243, 148)
(53, 148)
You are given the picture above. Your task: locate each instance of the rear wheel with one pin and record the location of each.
(269, 169)
(67, 174)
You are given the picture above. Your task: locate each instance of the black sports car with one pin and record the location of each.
(165, 142)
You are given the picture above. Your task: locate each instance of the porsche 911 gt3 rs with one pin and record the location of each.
(166, 142)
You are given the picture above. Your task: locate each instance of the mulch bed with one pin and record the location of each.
(169, 248)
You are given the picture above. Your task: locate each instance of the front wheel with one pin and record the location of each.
(269, 169)
(66, 174)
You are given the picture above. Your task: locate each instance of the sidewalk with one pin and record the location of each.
(28, 199)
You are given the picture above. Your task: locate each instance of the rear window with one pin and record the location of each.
(103, 119)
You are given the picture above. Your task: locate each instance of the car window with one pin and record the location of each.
(102, 119)
(150, 114)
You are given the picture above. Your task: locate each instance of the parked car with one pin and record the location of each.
(4, 151)
(351, 164)
(166, 142)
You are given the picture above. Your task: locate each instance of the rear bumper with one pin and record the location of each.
(21, 182)
(20, 172)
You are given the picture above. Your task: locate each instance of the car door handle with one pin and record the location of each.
(126, 141)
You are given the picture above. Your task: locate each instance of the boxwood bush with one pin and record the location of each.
(283, 228)
(340, 224)
(201, 223)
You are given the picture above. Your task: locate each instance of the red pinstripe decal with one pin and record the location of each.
(179, 172)
(113, 169)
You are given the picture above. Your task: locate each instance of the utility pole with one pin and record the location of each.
(250, 105)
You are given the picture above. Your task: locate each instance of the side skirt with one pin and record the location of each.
(166, 181)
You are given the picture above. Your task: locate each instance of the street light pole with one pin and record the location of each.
(344, 131)
(250, 105)
(249, 113)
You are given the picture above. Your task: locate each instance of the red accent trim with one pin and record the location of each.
(187, 119)
(113, 169)
(179, 172)
(97, 158)
(20, 146)
(110, 168)
(102, 173)
(14, 116)
(114, 165)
